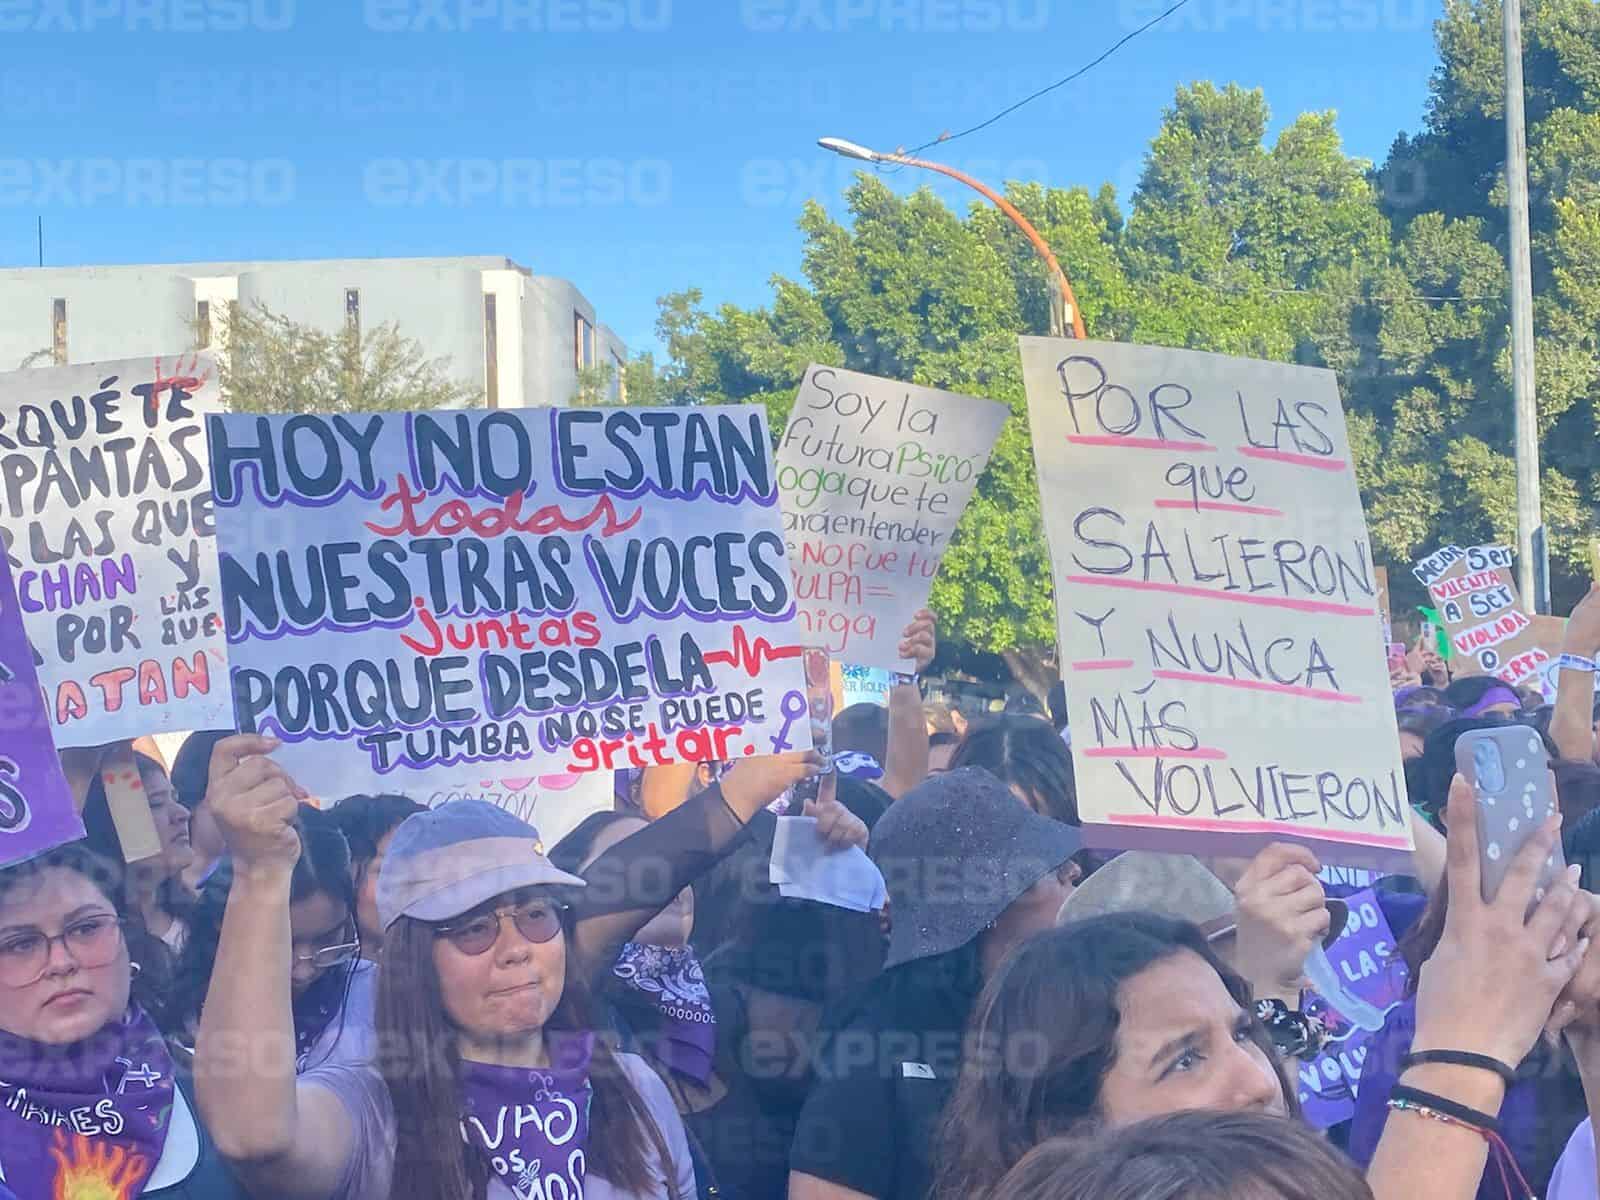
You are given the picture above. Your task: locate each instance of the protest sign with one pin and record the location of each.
(105, 512)
(36, 807)
(554, 590)
(864, 685)
(1226, 680)
(874, 475)
(1476, 597)
(552, 804)
(1371, 979)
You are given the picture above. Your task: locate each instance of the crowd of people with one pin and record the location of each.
(378, 999)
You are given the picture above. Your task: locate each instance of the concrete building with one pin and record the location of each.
(518, 337)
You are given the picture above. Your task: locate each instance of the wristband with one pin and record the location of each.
(1409, 1097)
(1576, 662)
(911, 679)
(1460, 1058)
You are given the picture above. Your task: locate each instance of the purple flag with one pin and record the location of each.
(1372, 980)
(36, 808)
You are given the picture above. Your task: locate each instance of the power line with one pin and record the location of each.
(1083, 70)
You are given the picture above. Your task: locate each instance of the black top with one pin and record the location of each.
(210, 1179)
(871, 1123)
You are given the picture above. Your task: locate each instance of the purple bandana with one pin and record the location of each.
(532, 1125)
(88, 1119)
(675, 1018)
(1494, 696)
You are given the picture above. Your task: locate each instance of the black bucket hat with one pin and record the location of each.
(957, 852)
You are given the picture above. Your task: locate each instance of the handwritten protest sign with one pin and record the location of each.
(874, 475)
(105, 512)
(568, 590)
(1372, 980)
(36, 808)
(552, 804)
(1217, 604)
(1476, 596)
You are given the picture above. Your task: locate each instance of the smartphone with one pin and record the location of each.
(1510, 775)
(819, 709)
(1397, 654)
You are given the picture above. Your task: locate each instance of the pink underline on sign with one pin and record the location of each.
(1128, 443)
(1299, 460)
(1216, 506)
(1210, 825)
(1178, 589)
(1258, 685)
(1154, 752)
(1103, 664)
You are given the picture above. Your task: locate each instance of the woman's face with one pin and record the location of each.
(671, 926)
(1032, 912)
(367, 896)
(508, 991)
(171, 818)
(69, 1001)
(318, 922)
(1184, 1044)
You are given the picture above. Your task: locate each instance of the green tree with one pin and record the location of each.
(271, 364)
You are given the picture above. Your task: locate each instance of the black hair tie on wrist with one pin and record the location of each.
(1481, 1121)
(1460, 1058)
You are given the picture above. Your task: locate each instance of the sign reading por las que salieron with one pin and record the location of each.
(559, 590)
(1216, 598)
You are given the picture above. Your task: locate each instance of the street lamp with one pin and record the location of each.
(1060, 313)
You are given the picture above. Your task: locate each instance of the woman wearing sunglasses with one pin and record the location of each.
(489, 1083)
(91, 1102)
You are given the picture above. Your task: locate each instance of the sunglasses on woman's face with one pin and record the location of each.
(538, 921)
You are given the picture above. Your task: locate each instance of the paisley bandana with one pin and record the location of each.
(532, 1125)
(670, 1007)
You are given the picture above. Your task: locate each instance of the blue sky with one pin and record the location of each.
(633, 146)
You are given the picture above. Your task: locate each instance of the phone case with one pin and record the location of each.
(1510, 774)
(818, 665)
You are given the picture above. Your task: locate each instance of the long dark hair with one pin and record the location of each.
(322, 868)
(1027, 753)
(107, 876)
(421, 1064)
(1188, 1156)
(174, 896)
(1043, 1037)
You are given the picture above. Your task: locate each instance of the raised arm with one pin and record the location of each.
(281, 1139)
(1572, 722)
(636, 878)
(907, 763)
(1488, 990)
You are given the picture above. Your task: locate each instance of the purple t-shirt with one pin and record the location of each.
(367, 1175)
(1574, 1177)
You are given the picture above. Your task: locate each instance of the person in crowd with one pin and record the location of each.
(1027, 756)
(162, 902)
(1415, 724)
(941, 749)
(1102, 1022)
(1540, 1104)
(368, 824)
(332, 983)
(1188, 1156)
(76, 1039)
(1483, 696)
(971, 872)
(697, 1038)
(481, 1005)
(895, 737)
(191, 771)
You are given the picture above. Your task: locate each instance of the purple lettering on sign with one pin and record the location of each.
(1371, 981)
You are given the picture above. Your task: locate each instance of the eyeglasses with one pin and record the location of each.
(330, 956)
(90, 942)
(537, 923)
